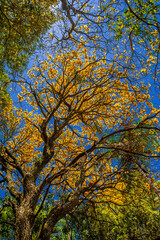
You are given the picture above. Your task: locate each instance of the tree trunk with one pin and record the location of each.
(57, 212)
(24, 223)
(48, 227)
(25, 210)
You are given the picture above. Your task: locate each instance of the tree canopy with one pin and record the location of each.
(79, 141)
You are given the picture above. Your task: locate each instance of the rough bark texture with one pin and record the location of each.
(24, 222)
(25, 210)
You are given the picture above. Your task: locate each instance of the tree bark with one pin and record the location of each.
(24, 211)
(24, 223)
(56, 213)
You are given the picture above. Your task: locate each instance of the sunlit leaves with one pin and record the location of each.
(72, 93)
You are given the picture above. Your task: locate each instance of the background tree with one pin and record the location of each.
(136, 217)
(137, 24)
(22, 25)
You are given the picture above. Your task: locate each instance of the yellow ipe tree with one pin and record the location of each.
(73, 110)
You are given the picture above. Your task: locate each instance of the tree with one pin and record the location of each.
(136, 218)
(137, 24)
(56, 147)
(128, 31)
(79, 112)
(22, 25)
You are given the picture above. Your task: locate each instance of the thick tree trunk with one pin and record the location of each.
(25, 210)
(24, 223)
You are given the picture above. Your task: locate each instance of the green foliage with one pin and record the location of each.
(22, 24)
(4, 96)
(137, 19)
(138, 217)
(135, 26)
(6, 220)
